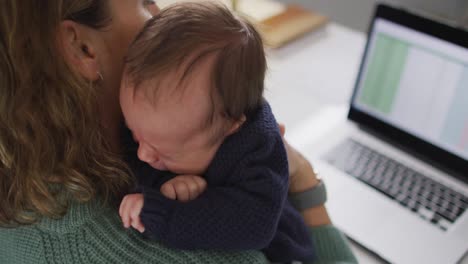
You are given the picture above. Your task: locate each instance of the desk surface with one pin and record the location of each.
(314, 72)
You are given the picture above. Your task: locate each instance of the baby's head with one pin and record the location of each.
(192, 77)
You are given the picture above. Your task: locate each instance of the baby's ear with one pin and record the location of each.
(235, 125)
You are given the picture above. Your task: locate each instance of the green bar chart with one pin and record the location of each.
(385, 69)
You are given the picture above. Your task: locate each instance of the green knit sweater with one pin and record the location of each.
(90, 233)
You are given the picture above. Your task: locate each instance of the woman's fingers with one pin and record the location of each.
(282, 129)
(301, 173)
(290, 151)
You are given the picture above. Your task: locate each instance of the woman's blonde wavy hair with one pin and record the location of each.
(49, 132)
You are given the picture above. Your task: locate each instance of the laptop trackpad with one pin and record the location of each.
(349, 205)
(381, 224)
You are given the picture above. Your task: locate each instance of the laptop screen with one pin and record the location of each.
(417, 83)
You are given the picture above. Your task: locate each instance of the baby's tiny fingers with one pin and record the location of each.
(125, 215)
(193, 188)
(138, 225)
(182, 191)
(168, 190)
(121, 207)
(201, 184)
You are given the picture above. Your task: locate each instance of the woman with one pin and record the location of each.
(61, 173)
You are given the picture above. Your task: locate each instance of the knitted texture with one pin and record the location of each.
(90, 233)
(244, 206)
(331, 246)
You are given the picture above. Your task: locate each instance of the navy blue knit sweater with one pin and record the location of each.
(244, 206)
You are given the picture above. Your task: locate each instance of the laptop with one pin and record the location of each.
(396, 168)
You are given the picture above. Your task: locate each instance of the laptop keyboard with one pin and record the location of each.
(429, 199)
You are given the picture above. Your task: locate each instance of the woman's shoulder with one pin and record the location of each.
(93, 233)
(21, 245)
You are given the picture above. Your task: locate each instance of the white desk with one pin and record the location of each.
(312, 73)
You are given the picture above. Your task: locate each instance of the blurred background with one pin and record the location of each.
(322, 52)
(357, 13)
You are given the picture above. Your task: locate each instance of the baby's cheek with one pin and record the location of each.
(204, 161)
(160, 165)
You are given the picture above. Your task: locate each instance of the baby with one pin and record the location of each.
(192, 96)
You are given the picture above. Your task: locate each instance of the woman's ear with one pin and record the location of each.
(235, 125)
(79, 50)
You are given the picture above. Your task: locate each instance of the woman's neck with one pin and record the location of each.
(111, 120)
(113, 135)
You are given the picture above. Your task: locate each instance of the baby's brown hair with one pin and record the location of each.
(186, 33)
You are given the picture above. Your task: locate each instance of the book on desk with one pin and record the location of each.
(294, 22)
(277, 22)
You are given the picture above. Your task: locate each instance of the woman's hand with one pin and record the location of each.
(301, 174)
(184, 188)
(303, 177)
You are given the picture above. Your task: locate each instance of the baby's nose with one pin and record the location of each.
(147, 155)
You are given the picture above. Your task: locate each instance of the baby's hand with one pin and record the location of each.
(130, 209)
(184, 187)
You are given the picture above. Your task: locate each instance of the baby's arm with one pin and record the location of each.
(183, 188)
(130, 209)
(240, 214)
